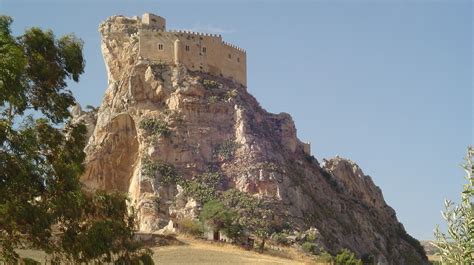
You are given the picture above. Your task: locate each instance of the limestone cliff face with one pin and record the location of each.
(201, 123)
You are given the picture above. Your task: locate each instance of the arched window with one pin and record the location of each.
(160, 46)
(187, 48)
(238, 59)
(230, 56)
(204, 49)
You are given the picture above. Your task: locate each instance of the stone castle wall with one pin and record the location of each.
(197, 51)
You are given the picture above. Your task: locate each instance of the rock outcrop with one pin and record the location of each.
(163, 118)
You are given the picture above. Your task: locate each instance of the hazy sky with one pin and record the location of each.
(387, 84)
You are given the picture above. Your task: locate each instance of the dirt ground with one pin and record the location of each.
(198, 252)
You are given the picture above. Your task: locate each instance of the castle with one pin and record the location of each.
(196, 51)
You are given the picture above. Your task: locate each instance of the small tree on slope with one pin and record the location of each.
(457, 246)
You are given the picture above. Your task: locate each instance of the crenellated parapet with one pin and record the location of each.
(197, 51)
(195, 33)
(233, 46)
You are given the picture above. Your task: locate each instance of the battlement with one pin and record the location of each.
(197, 51)
(233, 46)
(195, 33)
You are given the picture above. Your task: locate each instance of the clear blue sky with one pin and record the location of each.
(385, 83)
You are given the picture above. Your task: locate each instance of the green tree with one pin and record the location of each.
(254, 214)
(346, 257)
(102, 231)
(457, 246)
(41, 201)
(219, 217)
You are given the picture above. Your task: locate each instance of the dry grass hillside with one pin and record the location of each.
(186, 250)
(204, 252)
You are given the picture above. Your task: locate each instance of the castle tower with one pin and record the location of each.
(196, 51)
(154, 21)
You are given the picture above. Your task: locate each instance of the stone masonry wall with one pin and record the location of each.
(196, 51)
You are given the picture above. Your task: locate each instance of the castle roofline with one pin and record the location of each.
(153, 21)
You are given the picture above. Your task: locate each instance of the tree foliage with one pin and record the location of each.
(235, 212)
(457, 245)
(219, 217)
(42, 204)
(254, 214)
(346, 257)
(190, 227)
(102, 231)
(203, 188)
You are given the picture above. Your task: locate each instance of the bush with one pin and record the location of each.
(210, 84)
(155, 126)
(231, 94)
(199, 191)
(324, 257)
(203, 188)
(167, 172)
(346, 257)
(190, 227)
(310, 247)
(226, 150)
(311, 237)
(213, 99)
(281, 238)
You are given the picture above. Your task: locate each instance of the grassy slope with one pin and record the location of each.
(213, 254)
(196, 251)
(203, 252)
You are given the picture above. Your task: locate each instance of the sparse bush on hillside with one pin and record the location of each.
(190, 227)
(213, 99)
(155, 126)
(310, 247)
(167, 173)
(203, 188)
(199, 192)
(324, 257)
(312, 236)
(457, 246)
(281, 238)
(226, 150)
(210, 84)
(231, 94)
(346, 257)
